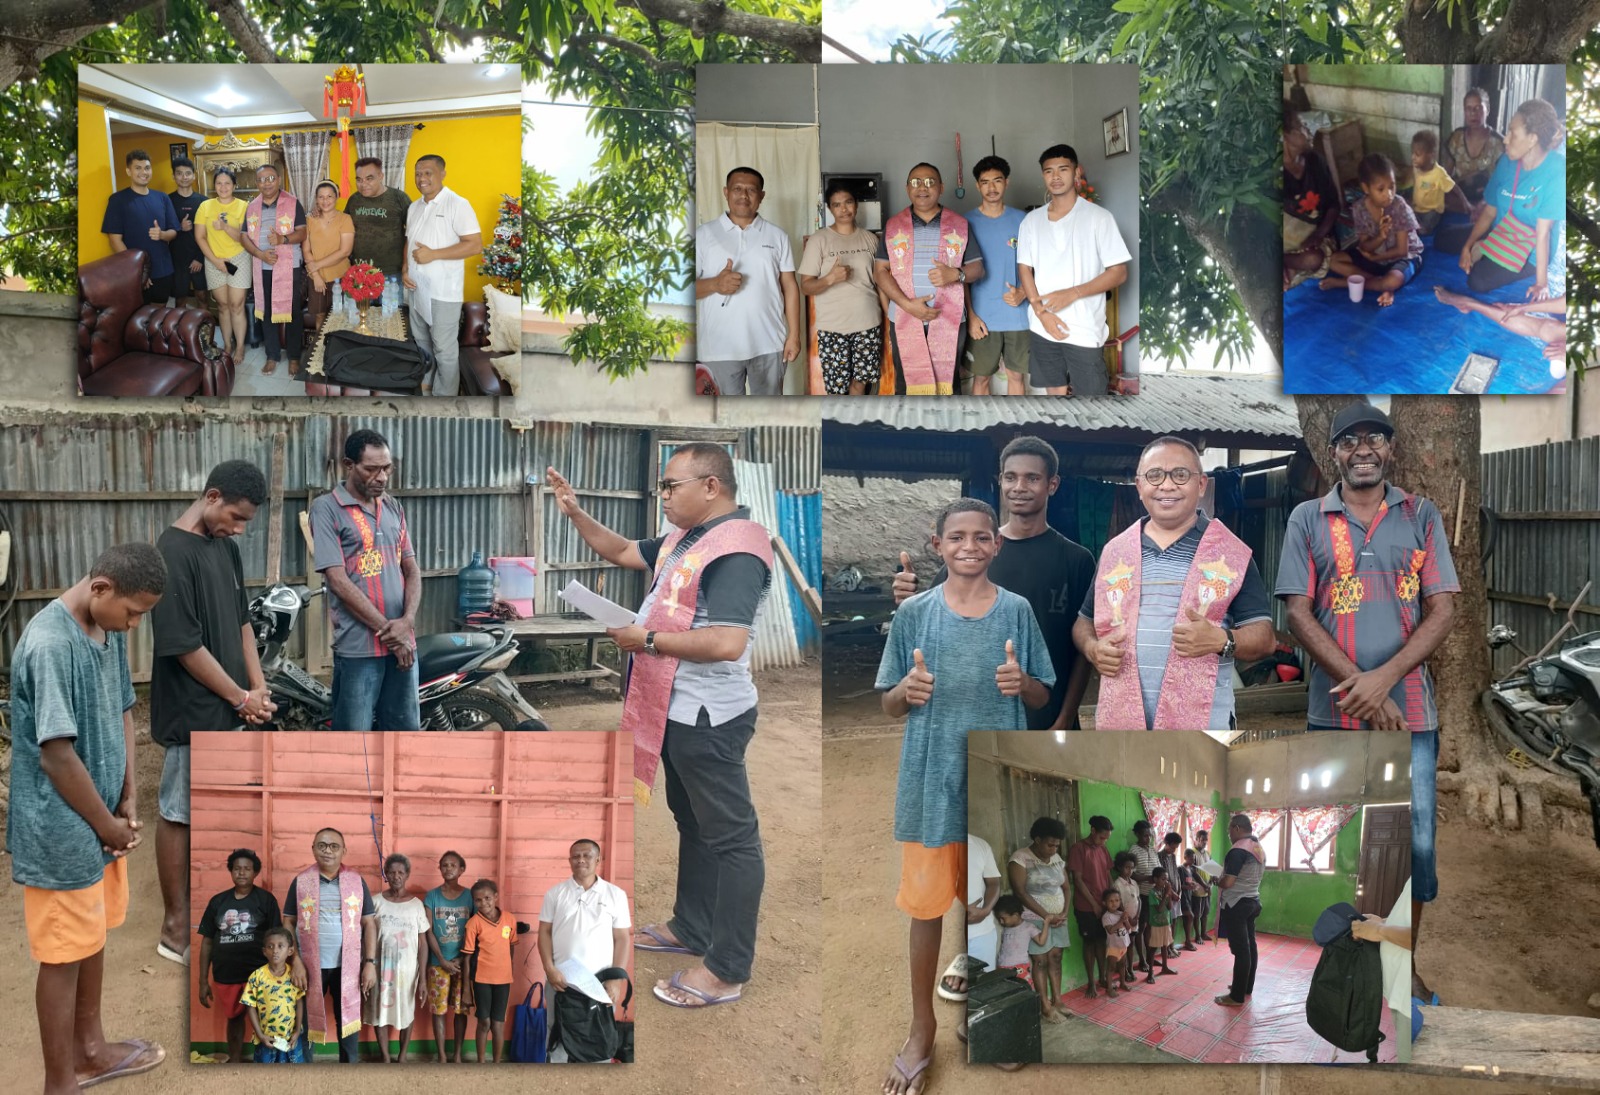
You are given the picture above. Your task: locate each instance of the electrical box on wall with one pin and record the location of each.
(868, 190)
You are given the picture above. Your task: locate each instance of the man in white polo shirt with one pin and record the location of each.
(1069, 255)
(584, 919)
(747, 301)
(442, 232)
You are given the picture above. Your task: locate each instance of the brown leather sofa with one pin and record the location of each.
(478, 377)
(129, 348)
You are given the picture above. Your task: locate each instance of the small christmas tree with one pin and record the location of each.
(502, 255)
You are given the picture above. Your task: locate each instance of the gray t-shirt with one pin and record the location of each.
(344, 530)
(1246, 870)
(962, 654)
(64, 685)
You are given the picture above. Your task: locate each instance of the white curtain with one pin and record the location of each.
(1518, 84)
(391, 144)
(306, 155)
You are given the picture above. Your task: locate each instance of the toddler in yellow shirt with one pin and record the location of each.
(1432, 188)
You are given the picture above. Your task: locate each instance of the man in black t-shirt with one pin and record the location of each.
(1038, 563)
(231, 933)
(188, 264)
(206, 674)
(379, 214)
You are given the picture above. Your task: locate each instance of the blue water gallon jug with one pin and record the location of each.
(475, 586)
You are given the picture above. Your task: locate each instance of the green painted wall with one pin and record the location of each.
(1291, 901)
(1419, 79)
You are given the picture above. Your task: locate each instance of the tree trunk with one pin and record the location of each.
(1539, 31)
(31, 30)
(1433, 33)
(1245, 247)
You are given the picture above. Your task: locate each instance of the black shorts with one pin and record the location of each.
(185, 284)
(159, 290)
(1089, 926)
(1054, 364)
(491, 1000)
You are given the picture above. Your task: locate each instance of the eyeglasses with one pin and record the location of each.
(1351, 441)
(749, 191)
(667, 486)
(324, 846)
(923, 184)
(1156, 476)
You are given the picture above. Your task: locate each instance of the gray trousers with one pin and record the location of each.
(439, 333)
(764, 374)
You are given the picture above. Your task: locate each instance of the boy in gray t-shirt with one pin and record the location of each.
(936, 671)
(73, 798)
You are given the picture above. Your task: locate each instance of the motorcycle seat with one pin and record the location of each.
(438, 655)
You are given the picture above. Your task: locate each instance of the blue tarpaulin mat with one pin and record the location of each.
(1416, 346)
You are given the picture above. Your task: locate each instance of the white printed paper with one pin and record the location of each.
(582, 980)
(597, 608)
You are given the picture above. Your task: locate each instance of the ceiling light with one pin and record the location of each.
(226, 98)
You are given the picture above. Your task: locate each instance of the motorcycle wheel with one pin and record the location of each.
(1528, 738)
(468, 710)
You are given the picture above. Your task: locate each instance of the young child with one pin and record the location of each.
(232, 932)
(936, 672)
(1160, 923)
(1432, 189)
(72, 814)
(1123, 883)
(491, 936)
(276, 1008)
(449, 907)
(1387, 249)
(1017, 929)
(1116, 920)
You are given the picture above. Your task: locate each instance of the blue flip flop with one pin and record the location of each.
(126, 1066)
(664, 945)
(706, 997)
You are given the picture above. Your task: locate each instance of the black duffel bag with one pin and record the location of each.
(588, 1029)
(356, 360)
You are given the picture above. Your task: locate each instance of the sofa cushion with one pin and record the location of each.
(141, 374)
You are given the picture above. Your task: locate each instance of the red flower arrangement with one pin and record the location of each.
(364, 282)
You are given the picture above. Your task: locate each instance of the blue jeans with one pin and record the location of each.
(374, 693)
(1424, 814)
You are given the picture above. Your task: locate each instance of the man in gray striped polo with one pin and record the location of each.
(1241, 904)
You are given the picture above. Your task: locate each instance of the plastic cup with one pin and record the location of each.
(1357, 285)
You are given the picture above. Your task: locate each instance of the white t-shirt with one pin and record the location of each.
(1395, 958)
(439, 223)
(751, 322)
(581, 921)
(1068, 252)
(980, 865)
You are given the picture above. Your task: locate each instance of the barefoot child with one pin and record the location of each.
(276, 1008)
(449, 908)
(232, 932)
(935, 671)
(1116, 922)
(1161, 894)
(1129, 889)
(492, 937)
(1388, 249)
(73, 815)
(1017, 930)
(1432, 189)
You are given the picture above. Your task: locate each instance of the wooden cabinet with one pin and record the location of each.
(242, 157)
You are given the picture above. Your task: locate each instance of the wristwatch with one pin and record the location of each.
(1227, 647)
(961, 275)
(650, 642)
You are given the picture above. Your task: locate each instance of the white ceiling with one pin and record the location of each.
(271, 96)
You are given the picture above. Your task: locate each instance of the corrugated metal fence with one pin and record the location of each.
(510, 804)
(1547, 498)
(72, 485)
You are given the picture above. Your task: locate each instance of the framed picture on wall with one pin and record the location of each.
(178, 150)
(1116, 132)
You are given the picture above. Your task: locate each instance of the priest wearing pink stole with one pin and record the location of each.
(690, 704)
(330, 911)
(1176, 599)
(1241, 904)
(275, 226)
(925, 258)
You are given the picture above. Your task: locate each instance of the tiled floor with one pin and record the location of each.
(1177, 1014)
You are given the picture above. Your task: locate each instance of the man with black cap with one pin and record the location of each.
(1370, 585)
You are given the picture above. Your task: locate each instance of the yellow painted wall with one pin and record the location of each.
(95, 184)
(154, 145)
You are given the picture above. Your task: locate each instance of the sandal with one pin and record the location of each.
(911, 1072)
(127, 1067)
(957, 969)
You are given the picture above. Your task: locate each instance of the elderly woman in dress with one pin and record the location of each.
(1310, 203)
(403, 924)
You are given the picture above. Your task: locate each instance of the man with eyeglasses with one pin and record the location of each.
(747, 301)
(925, 259)
(690, 703)
(336, 932)
(1176, 599)
(1370, 584)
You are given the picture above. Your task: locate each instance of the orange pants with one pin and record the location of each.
(930, 879)
(66, 926)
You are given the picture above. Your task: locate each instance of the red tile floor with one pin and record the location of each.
(1177, 1014)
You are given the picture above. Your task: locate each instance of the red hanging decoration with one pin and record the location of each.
(344, 95)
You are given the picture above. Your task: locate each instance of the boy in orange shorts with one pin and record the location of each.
(936, 672)
(72, 815)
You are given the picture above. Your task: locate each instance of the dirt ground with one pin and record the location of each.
(1475, 949)
(770, 1040)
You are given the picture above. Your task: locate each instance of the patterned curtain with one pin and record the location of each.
(391, 144)
(1263, 822)
(306, 155)
(1316, 825)
(1163, 813)
(1200, 817)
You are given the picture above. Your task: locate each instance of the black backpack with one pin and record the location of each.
(365, 361)
(1345, 1003)
(587, 1028)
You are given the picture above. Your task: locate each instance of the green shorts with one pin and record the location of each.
(984, 354)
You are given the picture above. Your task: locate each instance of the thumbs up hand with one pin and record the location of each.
(728, 281)
(186, 224)
(1013, 296)
(905, 581)
(918, 682)
(155, 230)
(1008, 676)
(1194, 635)
(1106, 652)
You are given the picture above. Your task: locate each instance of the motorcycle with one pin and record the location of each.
(1548, 706)
(462, 683)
